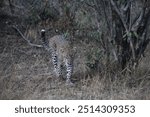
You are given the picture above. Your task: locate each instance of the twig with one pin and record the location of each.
(92, 6)
(31, 44)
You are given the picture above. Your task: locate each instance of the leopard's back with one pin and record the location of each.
(63, 47)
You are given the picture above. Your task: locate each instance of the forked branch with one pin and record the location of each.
(28, 41)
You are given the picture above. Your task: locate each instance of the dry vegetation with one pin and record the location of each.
(26, 72)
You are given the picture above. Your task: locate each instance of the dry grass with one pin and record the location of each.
(26, 73)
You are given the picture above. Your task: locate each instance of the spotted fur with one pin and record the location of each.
(62, 54)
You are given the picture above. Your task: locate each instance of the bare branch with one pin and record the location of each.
(11, 6)
(90, 5)
(28, 41)
(139, 20)
(132, 49)
(130, 20)
(119, 14)
(126, 6)
(105, 15)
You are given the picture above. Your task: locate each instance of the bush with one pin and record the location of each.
(94, 57)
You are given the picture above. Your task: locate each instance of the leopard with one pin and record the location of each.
(62, 54)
